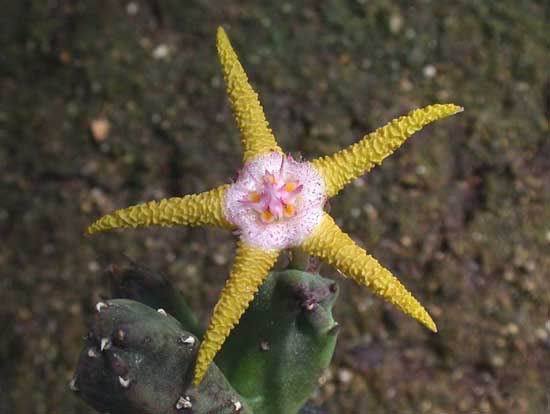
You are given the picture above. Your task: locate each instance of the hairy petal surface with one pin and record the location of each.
(191, 210)
(337, 248)
(344, 166)
(287, 232)
(250, 268)
(256, 136)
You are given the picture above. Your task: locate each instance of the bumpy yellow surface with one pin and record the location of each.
(190, 210)
(249, 271)
(327, 241)
(344, 166)
(337, 248)
(256, 136)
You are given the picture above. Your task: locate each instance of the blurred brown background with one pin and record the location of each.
(107, 103)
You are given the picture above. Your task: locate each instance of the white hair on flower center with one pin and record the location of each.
(276, 201)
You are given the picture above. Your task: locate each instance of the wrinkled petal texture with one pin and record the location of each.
(191, 210)
(289, 232)
(256, 136)
(250, 268)
(337, 248)
(341, 168)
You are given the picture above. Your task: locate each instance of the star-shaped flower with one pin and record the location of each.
(277, 203)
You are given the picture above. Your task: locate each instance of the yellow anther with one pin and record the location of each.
(267, 217)
(290, 186)
(254, 197)
(289, 210)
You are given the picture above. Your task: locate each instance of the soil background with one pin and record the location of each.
(107, 103)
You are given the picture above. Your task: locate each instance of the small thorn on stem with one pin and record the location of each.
(72, 385)
(187, 340)
(183, 402)
(124, 382)
(105, 344)
(100, 305)
(162, 312)
(310, 306)
(237, 405)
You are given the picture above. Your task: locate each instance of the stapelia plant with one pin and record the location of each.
(277, 203)
(138, 357)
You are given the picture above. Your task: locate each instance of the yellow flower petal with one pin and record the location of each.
(256, 136)
(344, 166)
(250, 268)
(290, 186)
(191, 210)
(337, 248)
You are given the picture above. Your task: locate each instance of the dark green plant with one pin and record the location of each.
(132, 281)
(138, 360)
(141, 350)
(283, 343)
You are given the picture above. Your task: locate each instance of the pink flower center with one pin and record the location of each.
(275, 198)
(276, 202)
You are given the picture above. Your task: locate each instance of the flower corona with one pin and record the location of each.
(276, 201)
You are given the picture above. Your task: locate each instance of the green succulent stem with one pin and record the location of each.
(139, 355)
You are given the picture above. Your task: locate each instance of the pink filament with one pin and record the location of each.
(275, 198)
